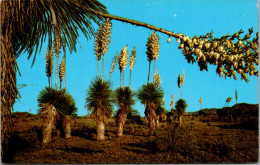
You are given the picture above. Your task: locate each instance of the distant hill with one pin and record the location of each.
(21, 115)
(245, 107)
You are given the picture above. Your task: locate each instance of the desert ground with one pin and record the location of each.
(198, 140)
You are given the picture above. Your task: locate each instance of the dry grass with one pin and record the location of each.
(195, 142)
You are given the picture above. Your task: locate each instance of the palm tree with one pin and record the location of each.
(181, 107)
(150, 96)
(99, 101)
(36, 20)
(228, 100)
(56, 107)
(124, 101)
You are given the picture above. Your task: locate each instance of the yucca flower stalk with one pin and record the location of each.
(61, 71)
(97, 46)
(106, 35)
(57, 46)
(64, 51)
(49, 64)
(236, 95)
(157, 79)
(132, 63)
(122, 64)
(102, 43)
(182, 81)
(179, 82)
(172, 101)
(200, 103)
(113, 64)
(153, 48)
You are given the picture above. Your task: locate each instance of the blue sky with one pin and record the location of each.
(189, 17)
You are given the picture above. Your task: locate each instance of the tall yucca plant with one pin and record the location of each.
(150, 96)
(49, 65)
(56, 107)
(153, 48)
(132, 63)
(124, 101)
(180, 106)
(99, 101)
(122, 64)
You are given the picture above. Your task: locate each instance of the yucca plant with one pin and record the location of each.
(182, 81)
(64, 57)
(132, 63)
(124, 101)
(150, 96)
(99, 101)
(180, 106)
(56, 104)
(122, 64)
(160, 111)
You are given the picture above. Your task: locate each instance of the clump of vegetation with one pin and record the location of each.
(56, 107)
(181, 108)
(150, 96)
(99, 101)
(124, 101)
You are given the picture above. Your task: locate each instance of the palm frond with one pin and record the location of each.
(31, 22)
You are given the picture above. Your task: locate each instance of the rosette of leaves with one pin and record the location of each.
(231, 53)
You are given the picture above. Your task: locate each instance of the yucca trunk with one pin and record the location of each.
(157, 123)
(49, 119)
(120, 124)
(66, 126)
(151, 107)
(100, 130)
(180, 119)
